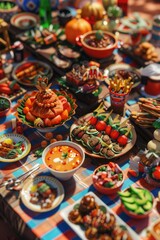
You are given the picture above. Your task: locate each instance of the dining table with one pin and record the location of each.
(49, 225)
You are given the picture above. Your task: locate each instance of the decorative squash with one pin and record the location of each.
(107, 3)
(92, 11)
(101, 25)
(76, 27)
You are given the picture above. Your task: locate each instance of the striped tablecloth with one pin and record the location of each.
(50, 225)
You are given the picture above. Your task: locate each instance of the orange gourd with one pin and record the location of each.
(76, 27)
(93, 10)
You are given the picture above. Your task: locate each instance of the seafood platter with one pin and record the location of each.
(45, 109)
(26, 72)
(103, 134)
(90, 210)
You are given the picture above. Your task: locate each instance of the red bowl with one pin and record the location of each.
(97, 52)
(4, 112)
(107, 190)
(135, 215)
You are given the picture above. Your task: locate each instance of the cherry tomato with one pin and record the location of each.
(114, 134)
(101, 125)
(93, 120)
(122, 140)
(156, 173)
(108, 129)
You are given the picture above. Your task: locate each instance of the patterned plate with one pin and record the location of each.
(53, 182)
(25, 20)
(16, 138)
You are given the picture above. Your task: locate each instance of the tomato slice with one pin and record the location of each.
(108, 129)
(93, 120)
(114, 134)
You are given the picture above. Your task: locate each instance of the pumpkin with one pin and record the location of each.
(92, 11)
(76, 27)
(101, 25)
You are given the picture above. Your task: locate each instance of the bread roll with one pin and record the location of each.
(154, 145)
(156, 134)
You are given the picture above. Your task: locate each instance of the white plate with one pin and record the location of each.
(16, 138)
(25, 20)
(64, 213)
(53, 182)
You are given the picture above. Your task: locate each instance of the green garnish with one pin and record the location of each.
(64, 155)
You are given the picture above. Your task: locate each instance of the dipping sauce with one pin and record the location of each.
(63, 158)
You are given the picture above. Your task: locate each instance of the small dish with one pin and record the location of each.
(125, 70)
(108, 178)
(12, 93)
(155, 230)
(26, 72)
(64, 16)
(137, 202)
(24, 20)
(52, 182)
(5, 105)
(16, 138)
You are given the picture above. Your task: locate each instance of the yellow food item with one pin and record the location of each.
(8, 141)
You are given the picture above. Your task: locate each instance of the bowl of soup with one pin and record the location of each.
(63, 158)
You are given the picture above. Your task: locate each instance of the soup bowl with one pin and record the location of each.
(63, 159)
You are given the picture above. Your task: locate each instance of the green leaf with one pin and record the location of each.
(156, 124)
(103, 208)
(18, 144)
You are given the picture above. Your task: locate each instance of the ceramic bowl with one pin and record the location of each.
(63, 175)
(103, 186)
(6, 14)
(64, 16)
(133, 214)
(97, 52)
(5, 105)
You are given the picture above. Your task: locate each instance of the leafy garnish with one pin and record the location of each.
(156, 124)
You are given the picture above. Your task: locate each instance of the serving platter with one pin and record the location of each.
(113, 69)
(16, 92)
(80, 231)
(52, 182)
(16, 138)
(91, 152)
(26, 72)
(24, 20)
(128, 24)
(38, 37)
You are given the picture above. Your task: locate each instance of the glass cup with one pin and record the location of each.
(118, 101)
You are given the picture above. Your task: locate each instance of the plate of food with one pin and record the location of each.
(26, 72)
(11, 89)
(13, 147)
(42, 193)
(39, 37)
(24, 20)
(103, 134)
(84, 213)
(130, 24)
(124, 71)
(47, 108)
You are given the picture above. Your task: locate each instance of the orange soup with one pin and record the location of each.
(63, 158)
